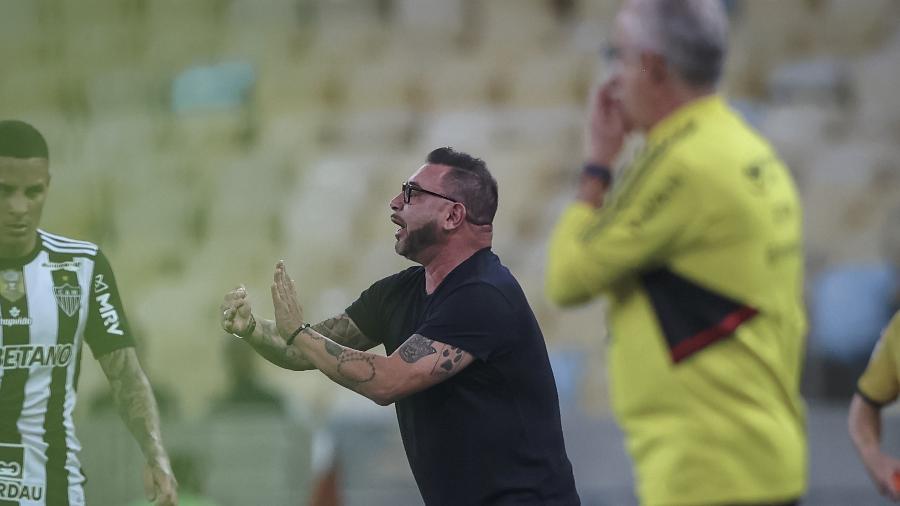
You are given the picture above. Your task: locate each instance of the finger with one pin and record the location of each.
(290, 282)
(281, 282)
(276, 276)
(243, 309)
(149, 486)
(276, 299)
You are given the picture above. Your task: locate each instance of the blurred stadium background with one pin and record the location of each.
(200, 141)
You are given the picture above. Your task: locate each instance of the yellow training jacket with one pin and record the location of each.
(699, 251)
(880, 382)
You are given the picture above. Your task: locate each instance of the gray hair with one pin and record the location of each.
(692, 35)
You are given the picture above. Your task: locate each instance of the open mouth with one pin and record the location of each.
(397, 221)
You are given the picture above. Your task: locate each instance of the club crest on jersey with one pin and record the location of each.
(12, 285)
(68, 298)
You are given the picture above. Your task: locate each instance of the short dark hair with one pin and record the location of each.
(470, 182)
(21, 140)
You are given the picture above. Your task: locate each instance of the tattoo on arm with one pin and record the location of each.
(346, 344)
(334, 349)
(343, 331)
(416, 347)
(273, 348)
(449, 359)
(134, 400)
(354, 367)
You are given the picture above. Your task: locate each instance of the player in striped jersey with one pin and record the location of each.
(55, 294)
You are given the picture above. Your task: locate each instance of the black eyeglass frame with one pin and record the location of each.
(407, 190)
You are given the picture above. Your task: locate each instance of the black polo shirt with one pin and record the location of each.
(492, 433)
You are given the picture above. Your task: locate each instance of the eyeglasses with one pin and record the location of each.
(408, 189)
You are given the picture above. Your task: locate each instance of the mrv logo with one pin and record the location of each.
(109, 314)
(23, 356)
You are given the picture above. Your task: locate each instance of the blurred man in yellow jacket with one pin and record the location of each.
(698, 249)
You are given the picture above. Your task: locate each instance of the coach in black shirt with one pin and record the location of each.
(467, 366)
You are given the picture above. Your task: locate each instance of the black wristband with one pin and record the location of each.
(297, 332)
(601, 172)
(251, 326)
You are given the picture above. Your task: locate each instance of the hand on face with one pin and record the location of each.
(607, 126)
(236, 311)
(288, 312)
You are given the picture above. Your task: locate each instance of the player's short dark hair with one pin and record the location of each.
(21, 140)
(470, 182)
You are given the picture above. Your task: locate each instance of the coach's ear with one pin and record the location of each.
(456, 216)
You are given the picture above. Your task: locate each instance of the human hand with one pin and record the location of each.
(883, 469)
(160, 485)
(236, 311)
(288, 312)
(607, 125)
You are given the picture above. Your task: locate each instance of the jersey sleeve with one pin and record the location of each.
(591, 249)
(107, 327)
(879, 382)
(476, 318)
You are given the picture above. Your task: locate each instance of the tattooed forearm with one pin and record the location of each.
(356, 367)
(416, 347)
(268, 343)
(134, 400)
(342, 330)
(333, 349)
(353, 366)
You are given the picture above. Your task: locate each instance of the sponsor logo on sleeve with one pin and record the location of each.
(100, 286)
(109, 314)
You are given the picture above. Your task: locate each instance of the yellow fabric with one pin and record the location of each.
(710, 201)
(880, 382)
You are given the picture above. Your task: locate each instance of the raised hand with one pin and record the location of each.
(607, 125)
(288, 312)
(236, 312)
